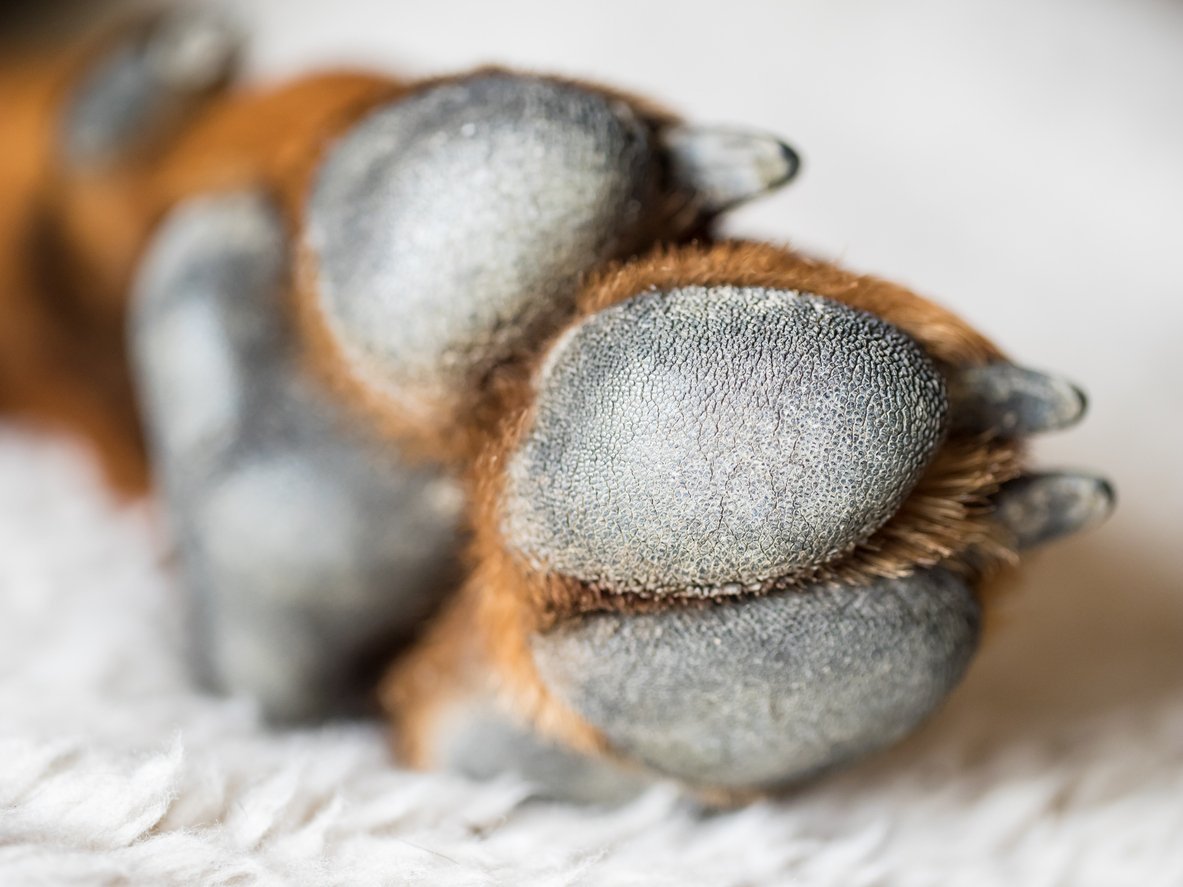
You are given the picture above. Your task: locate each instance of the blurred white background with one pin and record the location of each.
(1021, 162)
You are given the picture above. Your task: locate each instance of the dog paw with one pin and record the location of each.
(446, 230)
(736, 530)
(733, 508)
(309, 547)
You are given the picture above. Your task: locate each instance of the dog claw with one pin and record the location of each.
(726, 167)
(1013, 401)
(153, 78)
(1039, 508)
(194, 49)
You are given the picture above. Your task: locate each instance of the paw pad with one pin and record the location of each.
(721, 436)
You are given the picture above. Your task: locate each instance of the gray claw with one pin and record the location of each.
(1038, 508)
(194, 49)
(1012, 401)
(726, 167)
(154, 78)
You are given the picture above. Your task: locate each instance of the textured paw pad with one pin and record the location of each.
(453, 224)
(767, 691)
(719, 437)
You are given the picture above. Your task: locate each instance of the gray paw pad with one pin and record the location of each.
(769, 691)
(722, 436)
(308, 546)
(477, 738)
(453, 226)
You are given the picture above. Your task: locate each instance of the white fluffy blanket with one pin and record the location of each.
(114, 770)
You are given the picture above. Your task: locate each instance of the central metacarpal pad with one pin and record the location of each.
(707, 437)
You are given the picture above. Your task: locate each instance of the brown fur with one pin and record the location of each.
(944, 520)
(61, 360)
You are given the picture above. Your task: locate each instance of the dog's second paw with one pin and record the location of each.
(309, 546)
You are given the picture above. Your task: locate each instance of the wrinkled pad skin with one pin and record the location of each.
(759, 693)
(305, 542)
(452, 226)
(705, 438)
